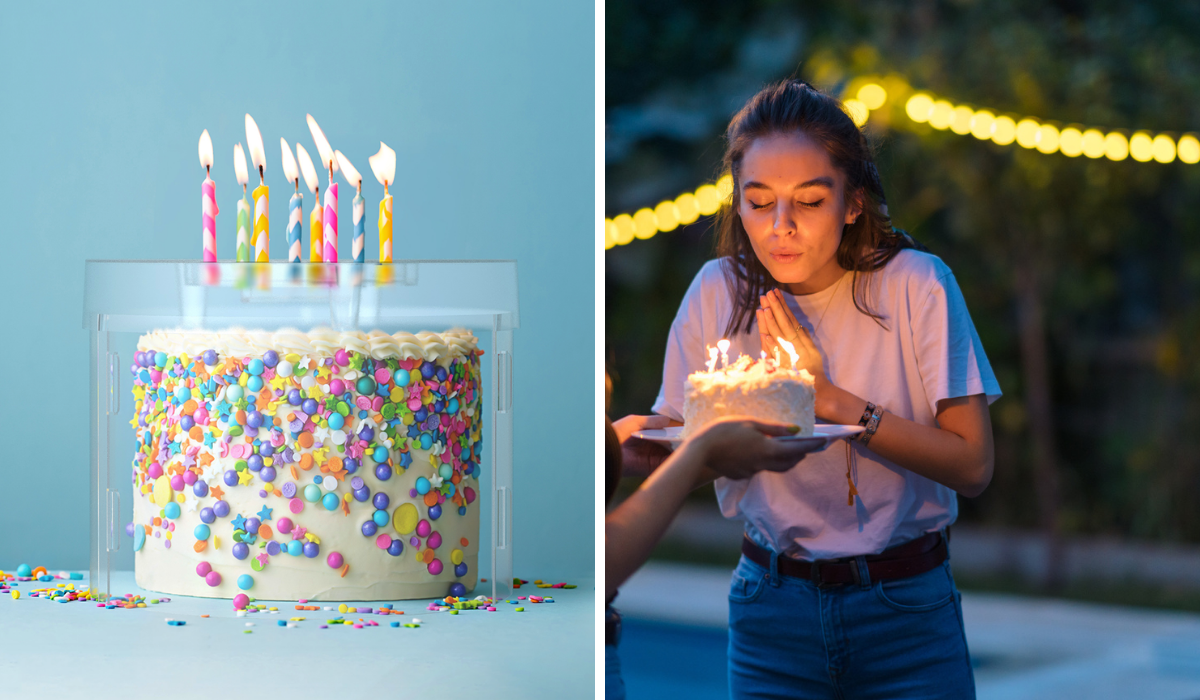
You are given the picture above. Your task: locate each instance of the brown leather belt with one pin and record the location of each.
(901, 561)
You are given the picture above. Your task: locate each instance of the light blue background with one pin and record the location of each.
(489, 107)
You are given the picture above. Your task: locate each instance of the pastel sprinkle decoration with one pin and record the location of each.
(295, 216)
(330, 233)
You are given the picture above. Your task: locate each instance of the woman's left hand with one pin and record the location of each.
(775, 320)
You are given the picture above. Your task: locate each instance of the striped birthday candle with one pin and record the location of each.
(262, 224)
(243, 228)
(360, 227)
(330, 232)
(208, 204)
(295, 216)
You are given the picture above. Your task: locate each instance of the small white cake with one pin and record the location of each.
(759, 389)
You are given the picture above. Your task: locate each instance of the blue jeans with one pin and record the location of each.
(614, 686)
(903, 638)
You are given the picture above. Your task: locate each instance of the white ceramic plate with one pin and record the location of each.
(823, 435)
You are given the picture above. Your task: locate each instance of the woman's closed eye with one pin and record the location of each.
(812, 205)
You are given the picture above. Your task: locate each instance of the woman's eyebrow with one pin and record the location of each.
(822, 181)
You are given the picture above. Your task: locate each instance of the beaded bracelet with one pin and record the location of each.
(872, 425)
(866, 416)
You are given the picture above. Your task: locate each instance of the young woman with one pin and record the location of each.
(844, 587)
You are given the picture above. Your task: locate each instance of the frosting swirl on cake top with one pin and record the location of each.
(319, 342)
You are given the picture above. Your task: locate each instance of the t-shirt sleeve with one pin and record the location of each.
(949, 353)
(685, 351)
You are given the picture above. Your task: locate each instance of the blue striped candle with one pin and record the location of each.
(295, 216)
(360, 227)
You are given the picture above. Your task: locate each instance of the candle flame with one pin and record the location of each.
(790, 349)
(306, 167)
(723, 344)
(383, 164)
(205, 150)
(289, 163)
(323, 147)
(348, 170)
(239, 165)
(255, 143)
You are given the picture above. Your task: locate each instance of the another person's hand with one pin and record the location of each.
(640, 457)
(738, 447)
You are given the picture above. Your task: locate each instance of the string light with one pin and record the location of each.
(941, 114)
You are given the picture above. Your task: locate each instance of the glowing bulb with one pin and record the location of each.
(942, 115)
(689, 209)
(1093, 143)
(981, 124)
(1163, 148)
(1115, 146)
(255, 143)
(1189, 149)
(1070, 142)
(610, 234)
(1027, 132)
(872, 95)
(857, 110)
(348, 171)
(624, 224)
(1047, 138)
(205, 150)
(1004, 131)
(239, 165)
(919, 107)
(289, 162)
(708, 198)
(383, 164)
(306, 167)
(1141, 147)
(667, 215)
(645, 224)
(960, 120)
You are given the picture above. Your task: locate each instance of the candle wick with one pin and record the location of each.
(260, 175)
(207, 170)
(297, 185)
(385, 188)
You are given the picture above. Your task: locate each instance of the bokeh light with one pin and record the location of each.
(1116, 147)
(1027, 133)
(1047, 138)
(645, 223)
(1093, 143)
(1163, 148)
(942, 114)
(858, 111)
(1141, 147)
(960, 121)
(1070, 142)
(872, 95)
(919, 107)
(1189, 149)
(1004, 131)
(981, 124)
(689, 209)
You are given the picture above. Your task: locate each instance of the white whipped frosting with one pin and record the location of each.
(758, 389)
(319, 342)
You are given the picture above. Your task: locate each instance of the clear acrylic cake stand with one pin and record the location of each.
(125, 298)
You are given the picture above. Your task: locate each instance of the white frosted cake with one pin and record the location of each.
(760, 389)
(325, 465)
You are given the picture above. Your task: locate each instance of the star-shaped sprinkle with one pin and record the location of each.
(265, 514)
(405, 459)
(262, 559)
(217, 492)
(244, 477)
(298, 533)
(239, 523)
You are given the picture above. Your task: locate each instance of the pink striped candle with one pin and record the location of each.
(331, 223)
(208, 201)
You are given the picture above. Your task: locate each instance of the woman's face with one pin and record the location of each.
(793, 207)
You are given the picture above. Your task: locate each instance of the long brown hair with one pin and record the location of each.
(791, 107)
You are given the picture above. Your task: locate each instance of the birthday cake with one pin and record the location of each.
(761, 389)
(324, 465)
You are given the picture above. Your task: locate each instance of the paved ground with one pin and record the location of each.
(1022, 647)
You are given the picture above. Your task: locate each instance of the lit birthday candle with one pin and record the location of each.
(295, 204)
(262, 194)
(723, 345)
(712, 358)
(208, 200)
(243, 209)
(383, 164)
(314, 221)
(330, 232)
(358, 243)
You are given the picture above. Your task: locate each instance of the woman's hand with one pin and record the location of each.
(640, 457)
(739, 447)
(775, 320)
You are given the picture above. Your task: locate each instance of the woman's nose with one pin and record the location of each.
(785, 222)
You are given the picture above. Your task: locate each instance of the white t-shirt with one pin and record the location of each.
(928, 352)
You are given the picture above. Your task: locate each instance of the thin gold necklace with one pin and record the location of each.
(829, 303)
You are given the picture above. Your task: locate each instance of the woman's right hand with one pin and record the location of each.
(738, 447)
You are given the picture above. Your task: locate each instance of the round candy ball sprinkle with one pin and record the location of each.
(381, 500)
(294, 548)
(267, 474)
(200, 489)
(240, 601)
(203, 568)
(383, 472)
(213, 579)
(312, 493)
(311, 549)
(381, 518)
(230, 477)
(240, 550)
(457, 589)
(435, 567)
(252, 525)
(284, 525)
(435, 512)
(245, 582)
(396, 548)
(369, 528)
(270, 358)
(330, 501)
(202, 532)
(334, 560)
(171, 510)
(221, 509)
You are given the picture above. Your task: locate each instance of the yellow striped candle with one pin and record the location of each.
(262, 194)
(314, 221)
(383, 164)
